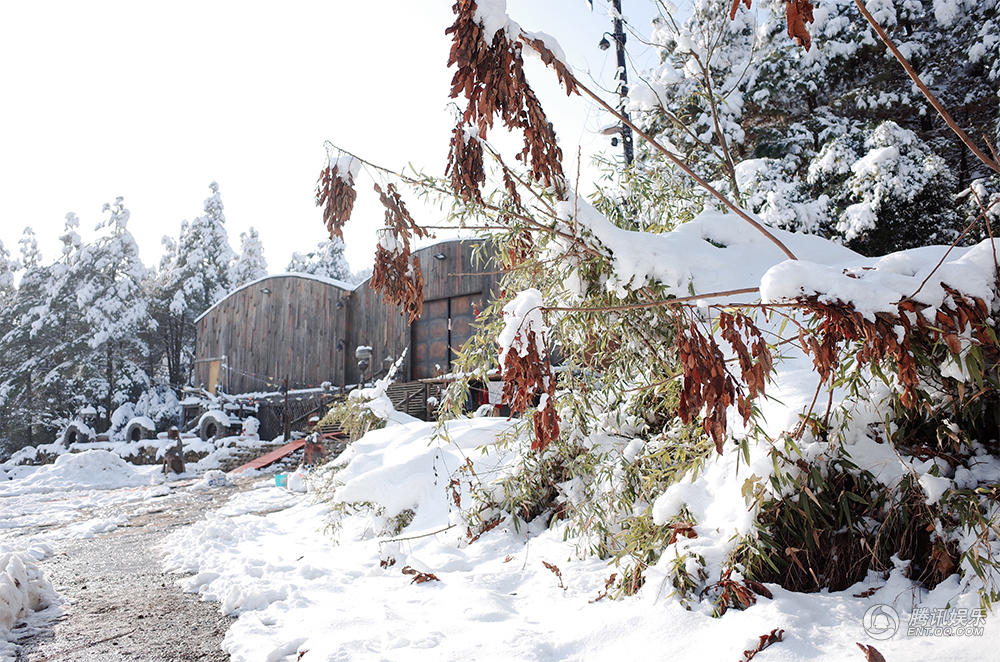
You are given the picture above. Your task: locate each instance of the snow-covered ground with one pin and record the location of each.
(81, 495)
(303, 592)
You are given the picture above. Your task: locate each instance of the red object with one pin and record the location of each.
(272, 457)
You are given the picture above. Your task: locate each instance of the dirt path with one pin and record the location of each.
(119, 605)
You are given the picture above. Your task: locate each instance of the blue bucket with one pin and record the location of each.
(281, 480)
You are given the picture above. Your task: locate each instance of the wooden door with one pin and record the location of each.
(440, 332)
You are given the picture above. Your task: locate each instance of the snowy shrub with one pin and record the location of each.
(367, 408)
(891, 190)
(737, 403)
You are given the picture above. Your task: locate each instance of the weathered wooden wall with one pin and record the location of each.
(291, 325)
(371, 322)
(281, 326)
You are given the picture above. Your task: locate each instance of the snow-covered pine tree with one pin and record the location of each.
(59, 327)
(27, 351)
(204, 256)
(194, 273)
(250, 265)
(31, 257)
(327, 260)
(113, 306)
(8, 267)
(8, 292)
(792, 105)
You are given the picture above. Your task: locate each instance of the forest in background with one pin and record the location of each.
(96, 328)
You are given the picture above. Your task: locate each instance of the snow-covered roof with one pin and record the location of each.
(322, 279)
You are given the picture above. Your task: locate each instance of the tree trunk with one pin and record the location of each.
(110, 376)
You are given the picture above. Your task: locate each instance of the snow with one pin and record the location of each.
(934, 487)
(492, 15)
(286, 578)
(80, 496)
(946, 11)
(876, 284)
(347, 166)
(145, 421)
(23, 592)
(217, 415)
(375, 397)
(713, 252)
(89, 470)
(523, 317)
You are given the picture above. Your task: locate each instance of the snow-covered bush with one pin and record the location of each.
(367, 408)
(738, 403)
(888, 190)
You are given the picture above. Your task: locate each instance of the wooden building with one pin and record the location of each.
(307, 328)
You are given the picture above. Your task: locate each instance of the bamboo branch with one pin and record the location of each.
(650, 304)
(990, 163)
(486, 205)
(684, 167)
(730, 167)
(982, 215)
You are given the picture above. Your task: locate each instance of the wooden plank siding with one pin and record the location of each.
(280, 326)
(371, 322)
(291, 325)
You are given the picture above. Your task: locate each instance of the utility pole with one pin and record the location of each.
(621, 77)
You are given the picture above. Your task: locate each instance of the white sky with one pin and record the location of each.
(154, 101)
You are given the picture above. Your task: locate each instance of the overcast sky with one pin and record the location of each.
(153, 101)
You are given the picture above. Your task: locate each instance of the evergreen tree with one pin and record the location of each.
(24, 356)
(8, 267)
(31, 257)
(327, 261)
(251, 264)
(58, 326)
(195, 272)
(8, 292)
(810, 122)
(109, 278)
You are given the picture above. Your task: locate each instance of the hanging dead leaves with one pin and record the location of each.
(908, 344)
(335, 194)
(898, 339)
(526, 378)
(465, 165)
(490, 75)
(797, 14)
(709, 385)
(397, 275)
